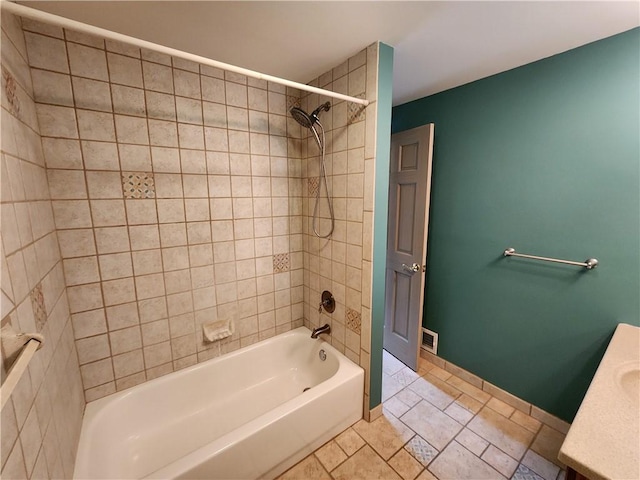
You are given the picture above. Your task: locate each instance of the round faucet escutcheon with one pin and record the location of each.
(327, 302)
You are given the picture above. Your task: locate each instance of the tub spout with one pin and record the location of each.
(323, 329)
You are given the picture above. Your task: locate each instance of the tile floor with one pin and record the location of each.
(437, 426)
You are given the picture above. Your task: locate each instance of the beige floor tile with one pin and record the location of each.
(350, 441)
(308, 469)
(390, 387)
(426, 475)
(435, 391)
(330, 455)
(500, 461)
(508, 436)
(548, 443)
(405, 376)
(386, 434)
(470, 403)
(459, 413)
(526, 421)
(395, 406)
(365, 465)
(408, 397)
(391, 364)
(474, 443)
(407, 466)
(456, 462)
(499, 406)
(540, 465)
(469, 389)
(435, 427)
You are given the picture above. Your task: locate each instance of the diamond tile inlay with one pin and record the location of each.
(280, 262)
(138, 185)
(355, 111)
(10, 89)
(38, 305)
(292, 102)
(524, 473)
(421, 450)
(313, 183)
(353, 320)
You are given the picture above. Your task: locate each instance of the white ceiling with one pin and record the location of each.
(437, 45)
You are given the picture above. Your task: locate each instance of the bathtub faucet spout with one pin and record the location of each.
(323, 329)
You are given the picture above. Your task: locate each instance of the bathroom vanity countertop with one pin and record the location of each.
(604, 439)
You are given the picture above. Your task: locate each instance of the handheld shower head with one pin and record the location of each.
(322, 108)
(306, 120)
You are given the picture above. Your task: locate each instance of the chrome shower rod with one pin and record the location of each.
(589, 264)
(64, 22)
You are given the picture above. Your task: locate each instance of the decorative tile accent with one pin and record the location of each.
(312, 184)
(355, 112)
(353, 320)
(292, 102)
(10, 87)
(280, 263)
(421, 450)
(38, 305)
(138, 185)
(523, 473)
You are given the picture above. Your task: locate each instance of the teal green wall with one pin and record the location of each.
(381, 205)
(544, 158)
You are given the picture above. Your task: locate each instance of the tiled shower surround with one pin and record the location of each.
(183, 194)
(342, 262)
(42, 419)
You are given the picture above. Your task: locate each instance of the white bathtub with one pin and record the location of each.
(240, 416)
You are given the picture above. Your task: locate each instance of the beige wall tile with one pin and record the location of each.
(95, 125)
(125, 70)
(87, 62)
(97, 373)
(46, 53)
(157, 77)
(92, 94)
(57, 121)
(128, 100)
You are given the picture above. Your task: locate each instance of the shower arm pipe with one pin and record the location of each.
(64, 22)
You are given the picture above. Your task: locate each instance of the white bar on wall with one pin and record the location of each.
(16, 370)
(45, 17)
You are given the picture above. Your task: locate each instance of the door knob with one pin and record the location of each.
(413, 268)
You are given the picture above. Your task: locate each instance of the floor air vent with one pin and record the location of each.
(430, 341)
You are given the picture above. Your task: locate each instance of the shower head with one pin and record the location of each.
(306, 120)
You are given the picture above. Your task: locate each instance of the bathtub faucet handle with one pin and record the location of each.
(322, 304)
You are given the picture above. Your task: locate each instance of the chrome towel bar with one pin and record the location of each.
(589, 264)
